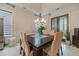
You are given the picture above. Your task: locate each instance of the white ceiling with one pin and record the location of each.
(41, 7)
(52, 6)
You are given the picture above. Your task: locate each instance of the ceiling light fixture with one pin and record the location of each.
(40, 17)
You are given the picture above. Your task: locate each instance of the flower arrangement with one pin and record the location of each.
(40, 25)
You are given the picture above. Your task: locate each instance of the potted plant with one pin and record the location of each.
(67, 35)
(42, 27)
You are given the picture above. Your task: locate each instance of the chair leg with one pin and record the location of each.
(21, 50)
(61, 51)
(21, 47)
(23, 53)
(58, 53)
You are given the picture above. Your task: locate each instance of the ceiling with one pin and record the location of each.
(41, 7)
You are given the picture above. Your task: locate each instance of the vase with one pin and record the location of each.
(40, 32)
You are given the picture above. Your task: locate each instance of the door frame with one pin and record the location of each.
(58, 21)
(2, 26)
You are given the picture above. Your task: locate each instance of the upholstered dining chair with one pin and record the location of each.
(53, 49)
(25, 45)
(45, 31)
(48, 32)
(51, 33)
(31, 32)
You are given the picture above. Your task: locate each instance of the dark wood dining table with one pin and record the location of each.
(37, 43)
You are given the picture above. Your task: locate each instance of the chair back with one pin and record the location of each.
(45, 31)
(32, 32)
(56, 44)
(51, 33)
(25, 43)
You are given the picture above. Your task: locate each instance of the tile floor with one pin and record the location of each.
(70, 50)
(10, 51)
(14, 51)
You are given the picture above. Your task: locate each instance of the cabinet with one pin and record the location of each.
(75, 41)
(75, 37)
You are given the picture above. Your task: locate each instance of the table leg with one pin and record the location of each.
(37, 52)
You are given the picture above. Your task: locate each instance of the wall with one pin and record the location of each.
(22, 19)
(73, 11)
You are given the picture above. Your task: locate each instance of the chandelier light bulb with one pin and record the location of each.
(36, 21)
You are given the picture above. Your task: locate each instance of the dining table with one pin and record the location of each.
(38, 43)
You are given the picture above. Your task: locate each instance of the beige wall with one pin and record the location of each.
(73, 11)
(22, 19)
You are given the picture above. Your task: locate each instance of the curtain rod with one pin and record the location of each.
(5, 11)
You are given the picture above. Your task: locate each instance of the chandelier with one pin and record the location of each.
(40, 17)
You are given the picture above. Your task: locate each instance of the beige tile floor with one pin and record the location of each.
(14, 51)
(10, 51)
(70, 50)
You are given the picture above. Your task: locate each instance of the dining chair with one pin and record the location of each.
(26, 36)
(53, 49)
(25, 45)
(45, 31)
(21, 44)
(51, 33)
(32, 32)
(48, 32)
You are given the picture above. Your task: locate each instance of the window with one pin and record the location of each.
(63, 24)
(54, 24)
(7, 20)
(60, 24)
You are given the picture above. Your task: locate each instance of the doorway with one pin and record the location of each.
(60, 24)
